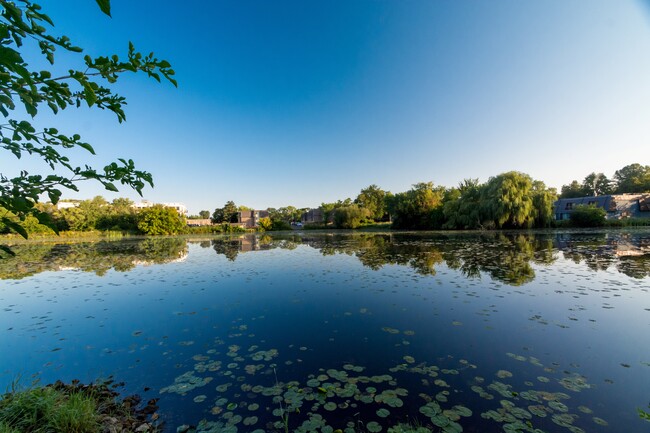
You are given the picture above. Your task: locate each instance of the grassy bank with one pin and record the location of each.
(74, 408)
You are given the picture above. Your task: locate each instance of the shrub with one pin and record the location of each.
(588, 216)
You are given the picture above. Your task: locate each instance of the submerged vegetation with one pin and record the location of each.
(74, 408)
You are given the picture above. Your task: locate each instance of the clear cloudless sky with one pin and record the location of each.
(302, 102)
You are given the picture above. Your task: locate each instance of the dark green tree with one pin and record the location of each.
(204, 214)
(573, 190)
(463, 207)
(632, 178)
(24, 27)
(588, 216)
(226, 214)
(596, 184)
(418, 208)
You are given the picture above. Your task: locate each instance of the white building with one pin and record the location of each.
(180, 207)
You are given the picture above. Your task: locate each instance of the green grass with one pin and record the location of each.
(45, 409)
(69, 408)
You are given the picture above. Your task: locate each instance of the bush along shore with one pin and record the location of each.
(76, 408)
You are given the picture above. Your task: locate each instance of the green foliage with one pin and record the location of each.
(48, 410)
(161, 220)
(596, 184)
(588, 216)
(633, 178)
(418, 208)
(349, 217)
(204, 214)
(373, 199)
(573, 190)
(463, 207)
(508, 200)
(72, 408)
(287, 214)
(265, 224)
(24, 27)
(543, 200)
(643, 414)
(329, 208)
(268, 224)
(226, 214)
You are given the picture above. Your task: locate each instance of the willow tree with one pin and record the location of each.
(25, 91)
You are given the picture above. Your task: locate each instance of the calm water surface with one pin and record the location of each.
(511, 332)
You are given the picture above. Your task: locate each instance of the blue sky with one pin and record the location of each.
(297, 103)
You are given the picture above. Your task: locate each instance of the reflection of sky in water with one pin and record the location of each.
(145, 326)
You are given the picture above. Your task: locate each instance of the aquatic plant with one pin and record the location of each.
(284, 415)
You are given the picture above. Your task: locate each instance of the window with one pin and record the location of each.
(568, 206)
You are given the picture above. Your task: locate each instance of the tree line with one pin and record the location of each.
(99, 214)
(633, 178)
(506, 201)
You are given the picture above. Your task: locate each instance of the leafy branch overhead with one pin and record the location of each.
(24, 91)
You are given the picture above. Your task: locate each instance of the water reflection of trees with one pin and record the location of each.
(97, 257)
(509, 257)
(504, 257)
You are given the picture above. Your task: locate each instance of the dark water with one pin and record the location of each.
(513, 332)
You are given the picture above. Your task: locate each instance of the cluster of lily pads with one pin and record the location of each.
(249, 397)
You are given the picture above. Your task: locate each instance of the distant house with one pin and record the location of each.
(312, 216)
(67, 204)
(250, 218)
(617, 206)
(180, 207)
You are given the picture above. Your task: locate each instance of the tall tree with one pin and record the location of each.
(204, 214)
(25, 28)
(226, 214)
(373, 199)
(508, 200)
(417, 208)
(465, 211)
(573, 190)
(632, 178)
(596, 184)
(543, 199)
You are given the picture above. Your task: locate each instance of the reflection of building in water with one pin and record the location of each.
(630, 248)
(182, 256)
(617, 206)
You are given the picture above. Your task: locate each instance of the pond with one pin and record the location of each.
(306, 332)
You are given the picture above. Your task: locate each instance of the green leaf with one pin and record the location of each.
(89, 93)
(88, 147)
(15, 227)
(105, 6)
(109, 186)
